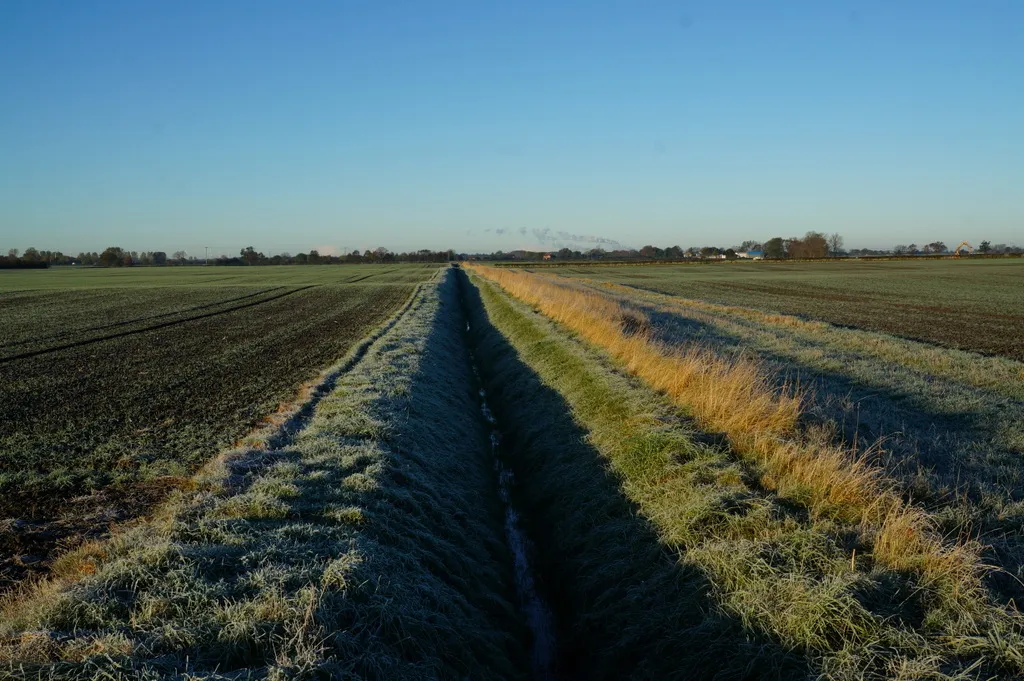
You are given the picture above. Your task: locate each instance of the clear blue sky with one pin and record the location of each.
(290, 125)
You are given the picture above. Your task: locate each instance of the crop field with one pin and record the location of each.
(115, 390)
(969, 304)
(562, 474)
(65, 278)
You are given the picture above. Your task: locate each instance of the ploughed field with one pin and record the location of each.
(967, 304)
(116, 389)
(531, 475)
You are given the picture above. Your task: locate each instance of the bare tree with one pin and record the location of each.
(835, 243)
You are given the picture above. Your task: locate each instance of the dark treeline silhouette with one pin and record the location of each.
(813, 245)
(250, 256)
(115, 256)
(32, 258)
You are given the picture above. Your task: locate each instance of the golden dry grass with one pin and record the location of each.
(733, 396)
(983, 372)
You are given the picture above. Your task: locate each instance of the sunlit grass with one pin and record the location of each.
(732, 395)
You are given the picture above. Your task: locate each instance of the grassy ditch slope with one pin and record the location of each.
(801, 542)
(947, 426)
(366, 545)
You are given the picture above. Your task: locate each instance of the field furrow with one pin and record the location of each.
(150, 327)
(967, 305)
(946, 425)
(65, 332)
(366, 545)
(100, 430)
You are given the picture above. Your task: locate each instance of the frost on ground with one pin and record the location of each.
(369, 546)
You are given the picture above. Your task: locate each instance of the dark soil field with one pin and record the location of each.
(109, 397)
(973, 305)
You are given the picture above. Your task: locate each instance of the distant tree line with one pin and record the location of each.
(32, 258)
(111, 257)
(250, 256)
(813, 245)
(115, 256)
(938, 248)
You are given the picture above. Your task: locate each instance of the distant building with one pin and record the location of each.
(549, 256)
(752, 255)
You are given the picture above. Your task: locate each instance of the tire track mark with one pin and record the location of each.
(163, 325)
(142, 319)
(372, 274)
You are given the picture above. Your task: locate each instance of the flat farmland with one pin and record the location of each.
(65, 278)
(523, 475)
(973, 305)
(116, 384)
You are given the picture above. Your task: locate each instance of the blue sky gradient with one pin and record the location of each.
(173, 125)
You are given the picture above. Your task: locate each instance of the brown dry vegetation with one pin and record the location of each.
(733, 396)
(982, 372)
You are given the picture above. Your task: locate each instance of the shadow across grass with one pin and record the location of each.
(625, 606)
(948, 428)
(948, 445)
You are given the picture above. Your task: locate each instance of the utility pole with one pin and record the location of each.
(206, 260)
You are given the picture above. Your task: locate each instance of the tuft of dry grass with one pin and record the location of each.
(733, 396)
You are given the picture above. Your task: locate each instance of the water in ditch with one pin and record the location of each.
(538, 615)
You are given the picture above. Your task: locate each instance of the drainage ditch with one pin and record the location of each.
(533, 606)
(618, 600)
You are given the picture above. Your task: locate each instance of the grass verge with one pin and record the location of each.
(893, 541)
(946, 425)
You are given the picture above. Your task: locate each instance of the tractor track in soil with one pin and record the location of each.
(138, 320)
(147, 329)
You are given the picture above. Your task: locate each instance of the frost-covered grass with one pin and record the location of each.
(367, 546)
